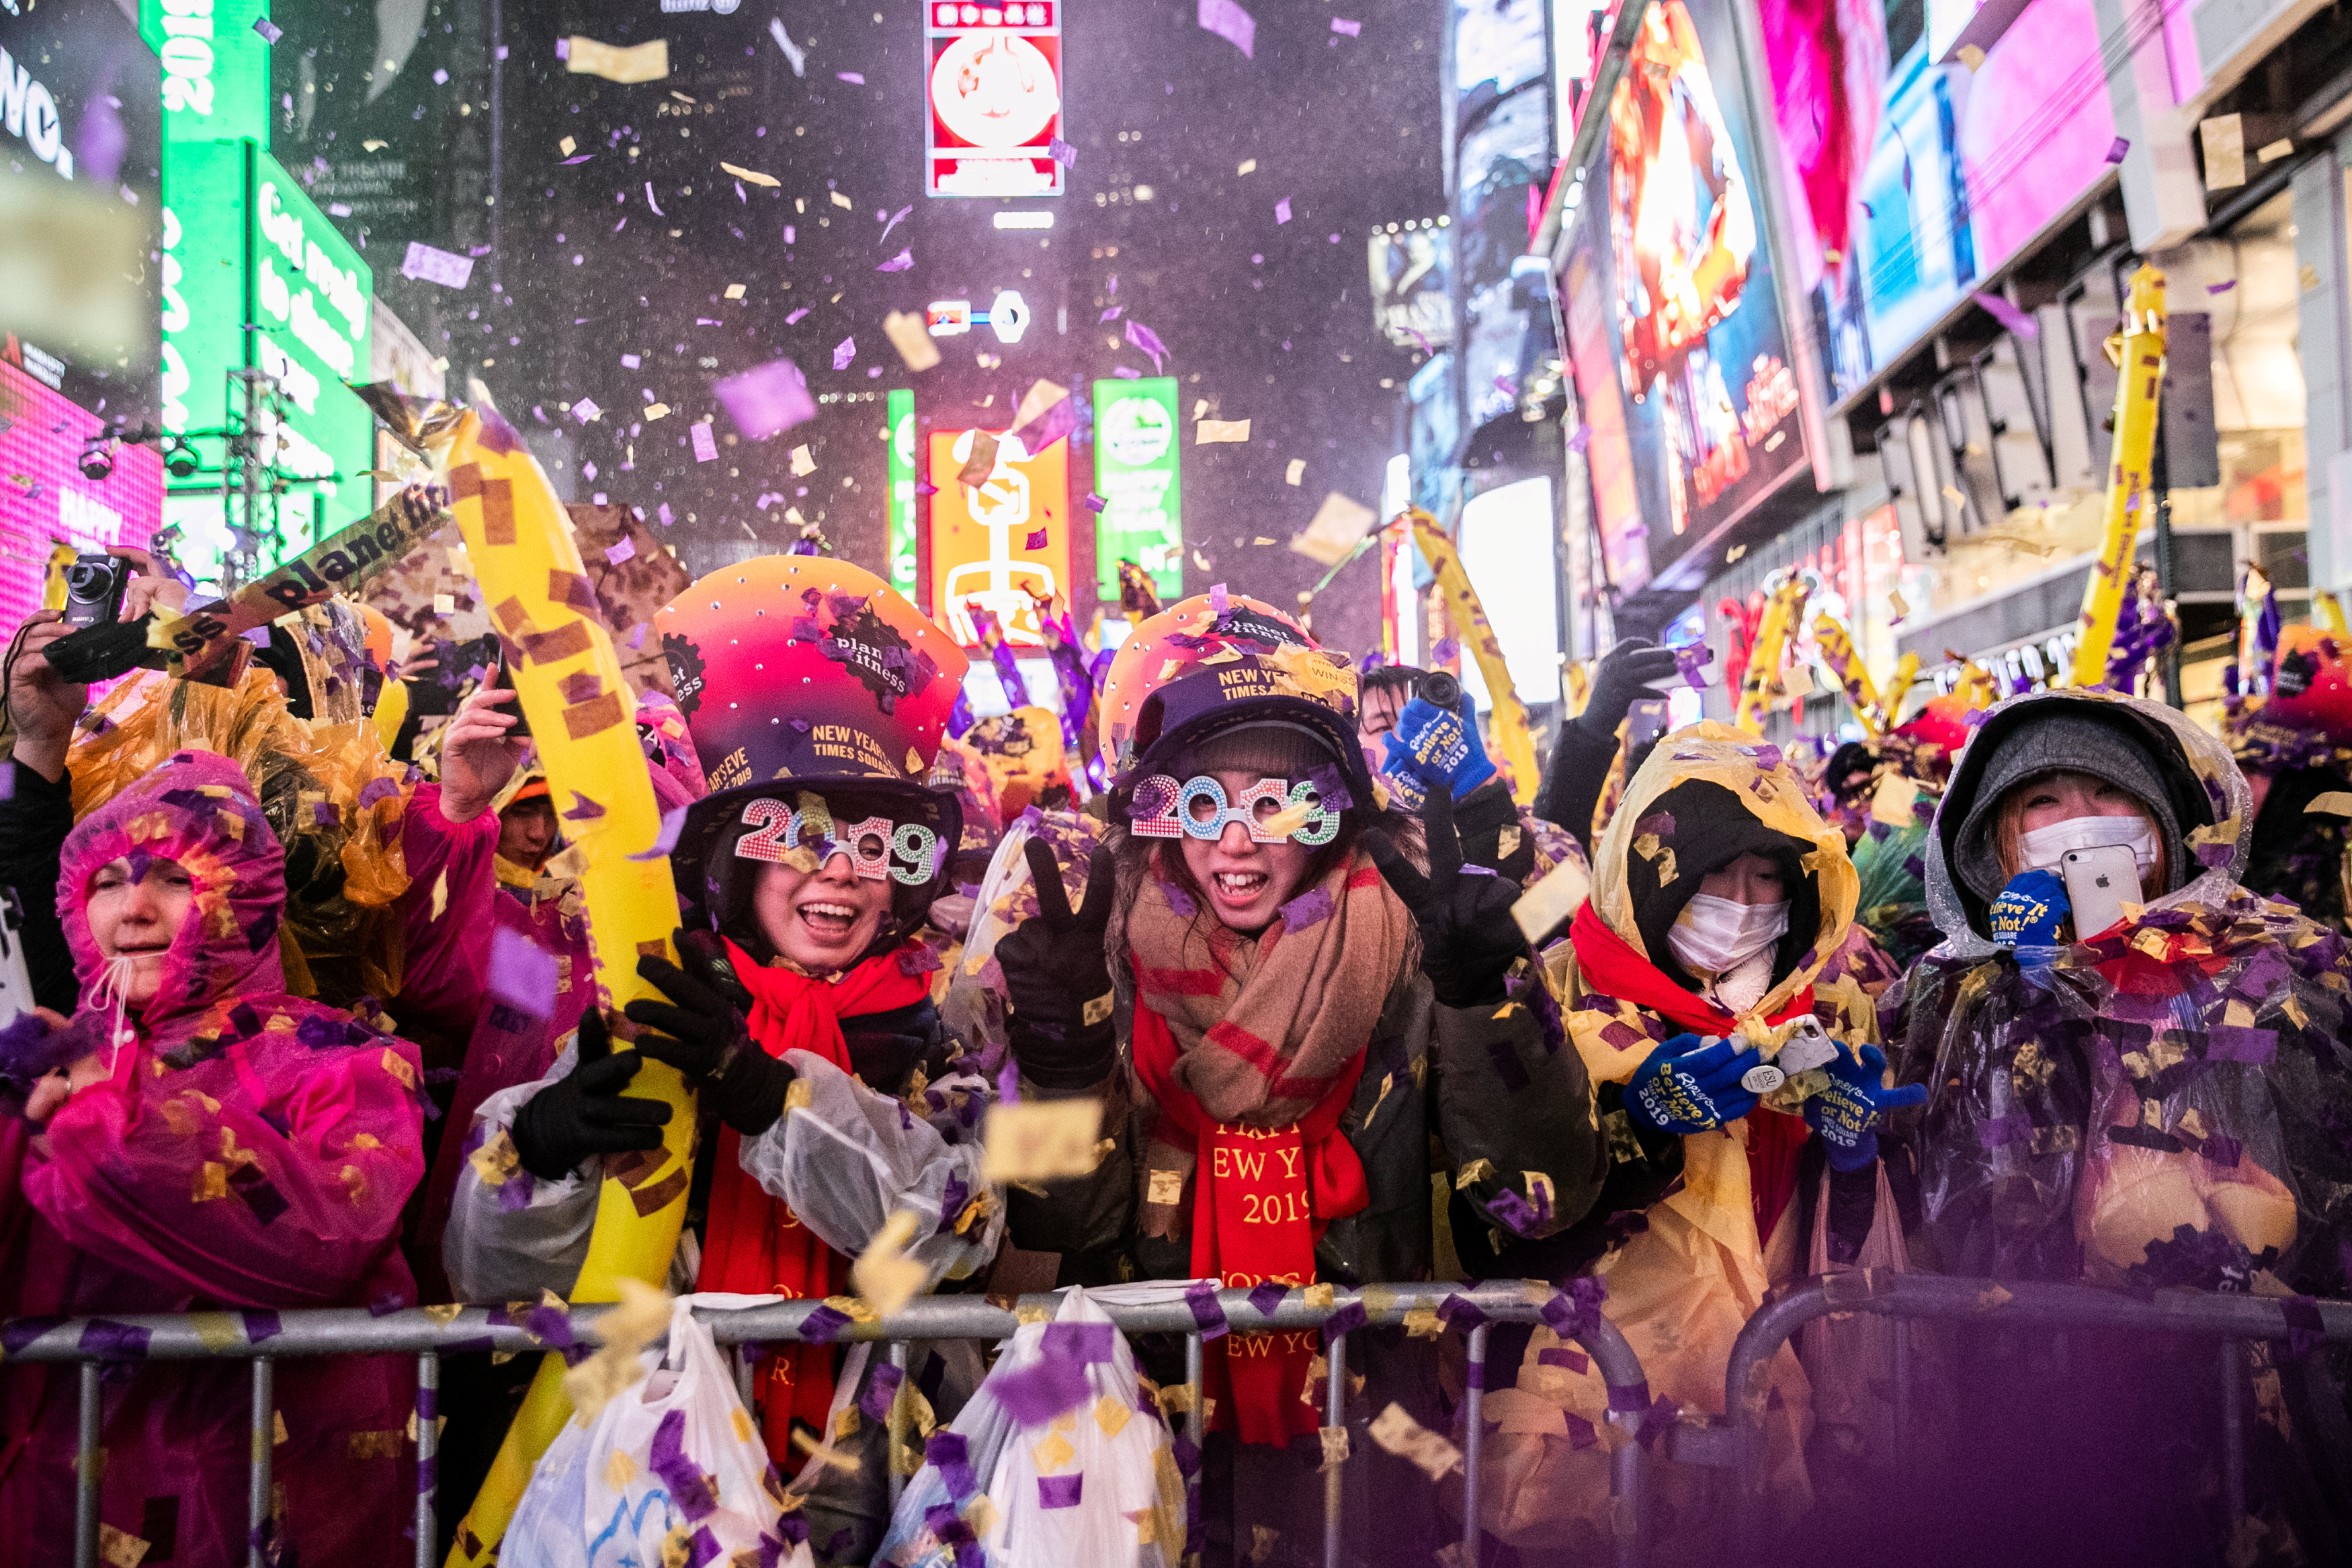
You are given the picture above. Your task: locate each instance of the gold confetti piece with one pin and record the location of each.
(1263, 540)
(642, 1317)
(1993, 1297)
(1335, 1445)
(120, 1548)
(1177, 1398)
(441, 894)
(211, 1181)
(644, 62)
(619, 1472)
(2283, 147)
(1053, 1453)
(884, 1275)
(1296, 472)
(1556, 896)
(1249, 165)
(802, 462)
(1317, 1296)
(1340, 524)
(497, 1160)
(1477, 1170)
(1539, 1189)
(1210, 432)
(444, 1313)
(841, 201)
(1166, 1186)
(912, 338)
(753, 177)
(1400, 1435)
(846, 1422)
(567, 146)
(1289, 820)
(734, 291)
(656, 411)
(1112, 1415)
(1033, 1314)
(981, 1515)
(825, 1452)
(1422, 1322)
(2334, 803)
(1038, 1140)
(1971, 56)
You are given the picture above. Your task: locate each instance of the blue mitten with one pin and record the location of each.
(1691, 1085)
(2031, 911)
(1846, 1114)
(1433, 745)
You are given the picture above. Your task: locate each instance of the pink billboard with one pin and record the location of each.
(45, 499)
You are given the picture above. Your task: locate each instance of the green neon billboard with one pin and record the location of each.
(900, 569)
(1136, 472)
(256, 277)
(215, 67)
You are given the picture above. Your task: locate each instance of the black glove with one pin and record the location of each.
(1057, 979)
(703, 1034)
(1621, 679)
(1468, 939)
(585, 1112)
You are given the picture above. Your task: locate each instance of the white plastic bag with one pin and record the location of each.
(673, 1459)
(1060, 1464)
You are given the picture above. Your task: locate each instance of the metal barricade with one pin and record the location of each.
(2007, 1303)
(264, 1339)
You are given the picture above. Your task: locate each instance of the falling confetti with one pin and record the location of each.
(1231, 23)
(769, 400)
(842, 352)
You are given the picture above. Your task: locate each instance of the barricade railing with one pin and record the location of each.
(264, 1338)
(2004, 1303)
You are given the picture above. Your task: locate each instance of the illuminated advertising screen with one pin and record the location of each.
(1911, 181)
(215, 67)
(1139, 475)
(46, 499)
(1696, 347)
(994, 98)
(902, 565)
(1002, 544)
(245, 248)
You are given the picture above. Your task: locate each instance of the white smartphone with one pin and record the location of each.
(1808, 1045)
(2097, 883)
(15, 978)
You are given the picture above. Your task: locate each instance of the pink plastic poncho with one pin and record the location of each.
(251, 1150)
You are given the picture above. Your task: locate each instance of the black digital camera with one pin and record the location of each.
(95, 585)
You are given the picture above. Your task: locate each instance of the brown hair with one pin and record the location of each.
(2009, 832)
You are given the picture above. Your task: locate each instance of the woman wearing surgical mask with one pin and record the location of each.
(1718, 897)
(2154, 1102)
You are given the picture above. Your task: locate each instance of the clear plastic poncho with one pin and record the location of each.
(2168, 1104)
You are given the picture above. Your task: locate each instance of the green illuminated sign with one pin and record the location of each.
(1135, 473)
(215, 67)
(901, 568)
(255, 278)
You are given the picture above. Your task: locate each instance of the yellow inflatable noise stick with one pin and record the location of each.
(583, 722)
(1512, 741)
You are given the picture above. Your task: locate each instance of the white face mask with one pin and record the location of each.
(2041, 848)
(1718, 934)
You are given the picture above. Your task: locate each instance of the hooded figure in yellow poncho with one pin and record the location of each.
(1720, 900)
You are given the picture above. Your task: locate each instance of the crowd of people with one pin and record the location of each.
(1263, 903)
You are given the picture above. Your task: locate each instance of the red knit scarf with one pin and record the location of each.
(1253, 1048)
(752, 1242)
(1612, 967)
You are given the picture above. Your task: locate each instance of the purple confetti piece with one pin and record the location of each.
(767, 401)
(669, 1459)
(1330, 790)
(1569, 1360)
(261, 1323)
(1266, 1297)
(2118, 150)
(564, 48)
(1580, 439)
(1659, 822)
(881, 1390)
(842, 352)
(1034, 539)
(899, 263)
(585, 811)
(2256, 1047)
(1083, 1342)
(1629, 1397)
(1178, 900)
(1576, 1309)
(1144, 338)
(21, 1332)
(1659, 1417)
(582, 158)
(1064, 153)
(2221, 287)
(2019, 322)
(1506, 1205)
(1231, 23)
(522, 975)
(855, 78)
(1060, 1492)
(1094, 504)
(553, 1327)
(823, 1325)
(1461, 1312)
(1690, 662)
(1353, 29)
(1113, 314)
(1282, 211)
(673, 823)
(1207, 1315)
(107, 1340)
(1444, 651)
(1035, 1393)
(1351, 1317)
(270, 31)
(1309, 908)
(2305, 1329)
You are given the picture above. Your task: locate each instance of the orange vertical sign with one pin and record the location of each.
(980, 536)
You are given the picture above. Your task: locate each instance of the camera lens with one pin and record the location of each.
(84, 580)
(1439, 689)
